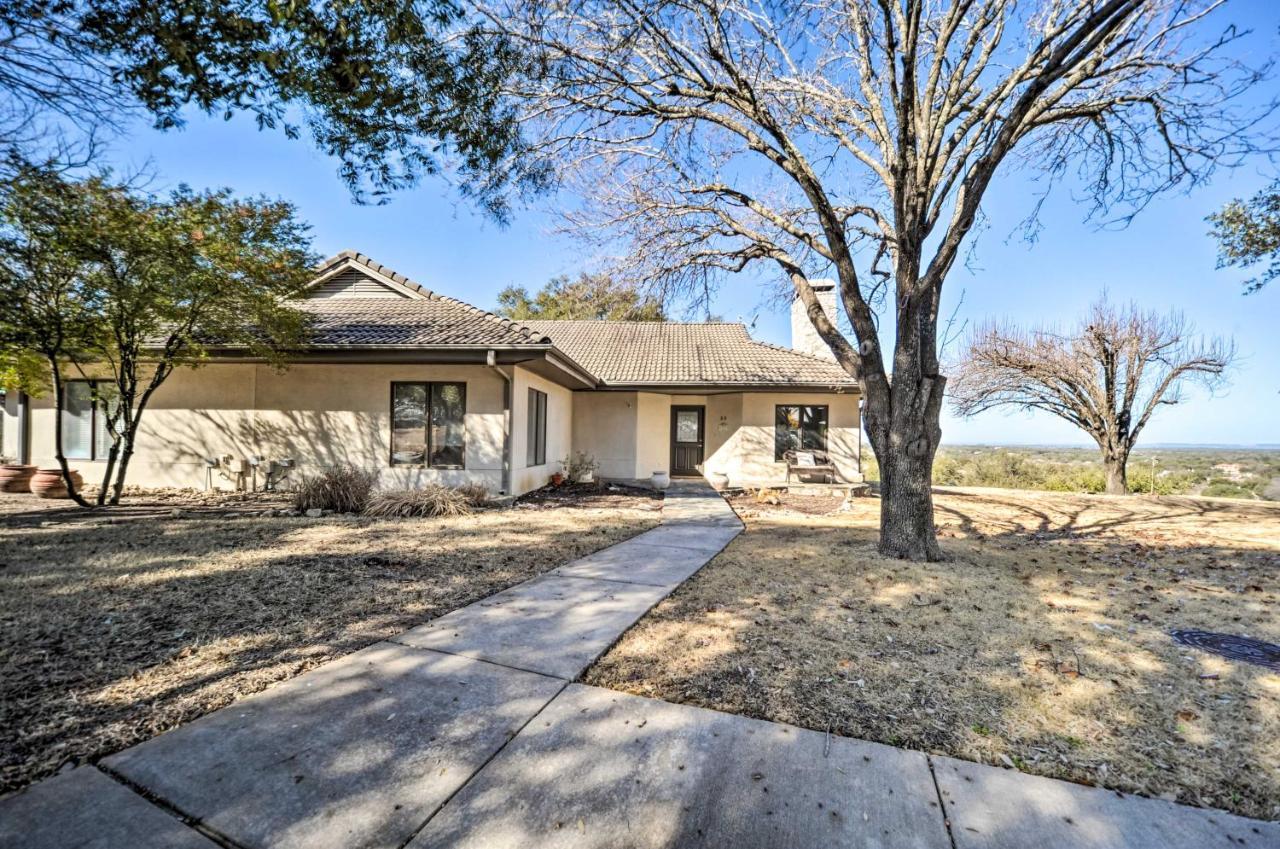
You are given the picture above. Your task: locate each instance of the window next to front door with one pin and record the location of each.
(428, 425)
(536, 448)
(797, 428)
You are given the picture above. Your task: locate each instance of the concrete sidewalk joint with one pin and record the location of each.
(467, 732)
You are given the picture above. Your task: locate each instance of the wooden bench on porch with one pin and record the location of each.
(810, 462)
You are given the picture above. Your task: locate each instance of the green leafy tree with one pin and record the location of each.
(394, 89)
(591, 296)
(1248, 232)
(152, 284)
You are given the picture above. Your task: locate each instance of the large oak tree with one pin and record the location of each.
(858, 138)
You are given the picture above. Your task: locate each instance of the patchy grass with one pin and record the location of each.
(113, 633)
(1042, 644)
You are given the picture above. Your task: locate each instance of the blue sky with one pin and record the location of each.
(1164, 260)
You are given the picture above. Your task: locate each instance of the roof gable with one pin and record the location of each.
(356, 302)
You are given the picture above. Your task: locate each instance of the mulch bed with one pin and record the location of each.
(598, 495)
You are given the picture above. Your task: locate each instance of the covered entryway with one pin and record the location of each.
(687, 439)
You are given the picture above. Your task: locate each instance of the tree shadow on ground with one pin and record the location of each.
(1043, 640)
(113, 633)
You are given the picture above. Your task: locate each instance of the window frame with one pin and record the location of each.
(778, 455)
(535, 450)
(427, 441)
(96, 452)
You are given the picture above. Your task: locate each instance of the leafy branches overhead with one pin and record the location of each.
(591, 296)
(102, 281)
(1248, 232)
(394, 89)
(1108, 376)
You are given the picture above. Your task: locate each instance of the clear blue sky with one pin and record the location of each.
(1164, 259)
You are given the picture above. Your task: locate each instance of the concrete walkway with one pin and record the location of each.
(468, 732)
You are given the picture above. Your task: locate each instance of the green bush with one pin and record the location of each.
(343, 489)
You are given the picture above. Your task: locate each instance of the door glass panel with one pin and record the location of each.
(687, 426)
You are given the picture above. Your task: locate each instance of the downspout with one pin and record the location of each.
(491, 360)
(24, 429)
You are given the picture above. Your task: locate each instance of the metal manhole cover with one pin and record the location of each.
(1232, 646)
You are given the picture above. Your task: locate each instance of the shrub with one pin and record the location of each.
(476, 494)
(343, 489)
(430, 500)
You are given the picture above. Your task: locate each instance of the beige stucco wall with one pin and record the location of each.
(746, 453)
(629, 433)
(604, 426)
(560, 402)
(319, 415)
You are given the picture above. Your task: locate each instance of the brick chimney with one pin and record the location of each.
(804, 338)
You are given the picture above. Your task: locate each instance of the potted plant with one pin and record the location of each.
(581, 467)
(16, 477)
(48, 483)
(557, 479)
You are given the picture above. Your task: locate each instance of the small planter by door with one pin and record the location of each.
(16, 478)
(47, 483)
(661, 480)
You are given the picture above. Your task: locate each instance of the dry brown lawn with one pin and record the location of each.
(1042, 644)
(113, 633)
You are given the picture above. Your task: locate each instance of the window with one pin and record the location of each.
(536, 448)
(85, 435)
(798, 428)
(428, 424)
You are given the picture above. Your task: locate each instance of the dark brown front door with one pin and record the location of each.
(686, 440)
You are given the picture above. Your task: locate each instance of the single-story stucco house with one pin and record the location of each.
(423, 387)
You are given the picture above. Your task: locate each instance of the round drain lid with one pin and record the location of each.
(1232, 646)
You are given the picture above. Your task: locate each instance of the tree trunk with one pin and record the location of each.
(906, 472)
(1117, 479)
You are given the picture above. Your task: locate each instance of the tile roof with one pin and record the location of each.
(671, 353)
(427, 319)
(376, 322)
(618, 353)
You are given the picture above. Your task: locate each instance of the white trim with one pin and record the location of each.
(349, 263)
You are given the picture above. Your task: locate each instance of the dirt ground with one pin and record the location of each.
(115, 629)
(1042, 644)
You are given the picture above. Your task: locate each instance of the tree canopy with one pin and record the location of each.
(1107, 376)
(857, 139)
(1248, 232)
(100, 280)
(591, 296)
(394, 89)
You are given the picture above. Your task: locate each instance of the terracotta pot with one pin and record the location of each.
(16, 478)
(47, 483)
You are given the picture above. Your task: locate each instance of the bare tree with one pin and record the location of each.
(1107, 377)
(858, 137)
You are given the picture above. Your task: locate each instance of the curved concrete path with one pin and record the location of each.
(467, 732)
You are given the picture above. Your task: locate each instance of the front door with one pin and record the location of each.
(686, 440)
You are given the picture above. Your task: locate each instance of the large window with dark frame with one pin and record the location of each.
(798, 427)
(536, 446)
(428, 425)
(85, 432)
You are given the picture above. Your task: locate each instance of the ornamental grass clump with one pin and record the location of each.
(343, 489)
(430, 500)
